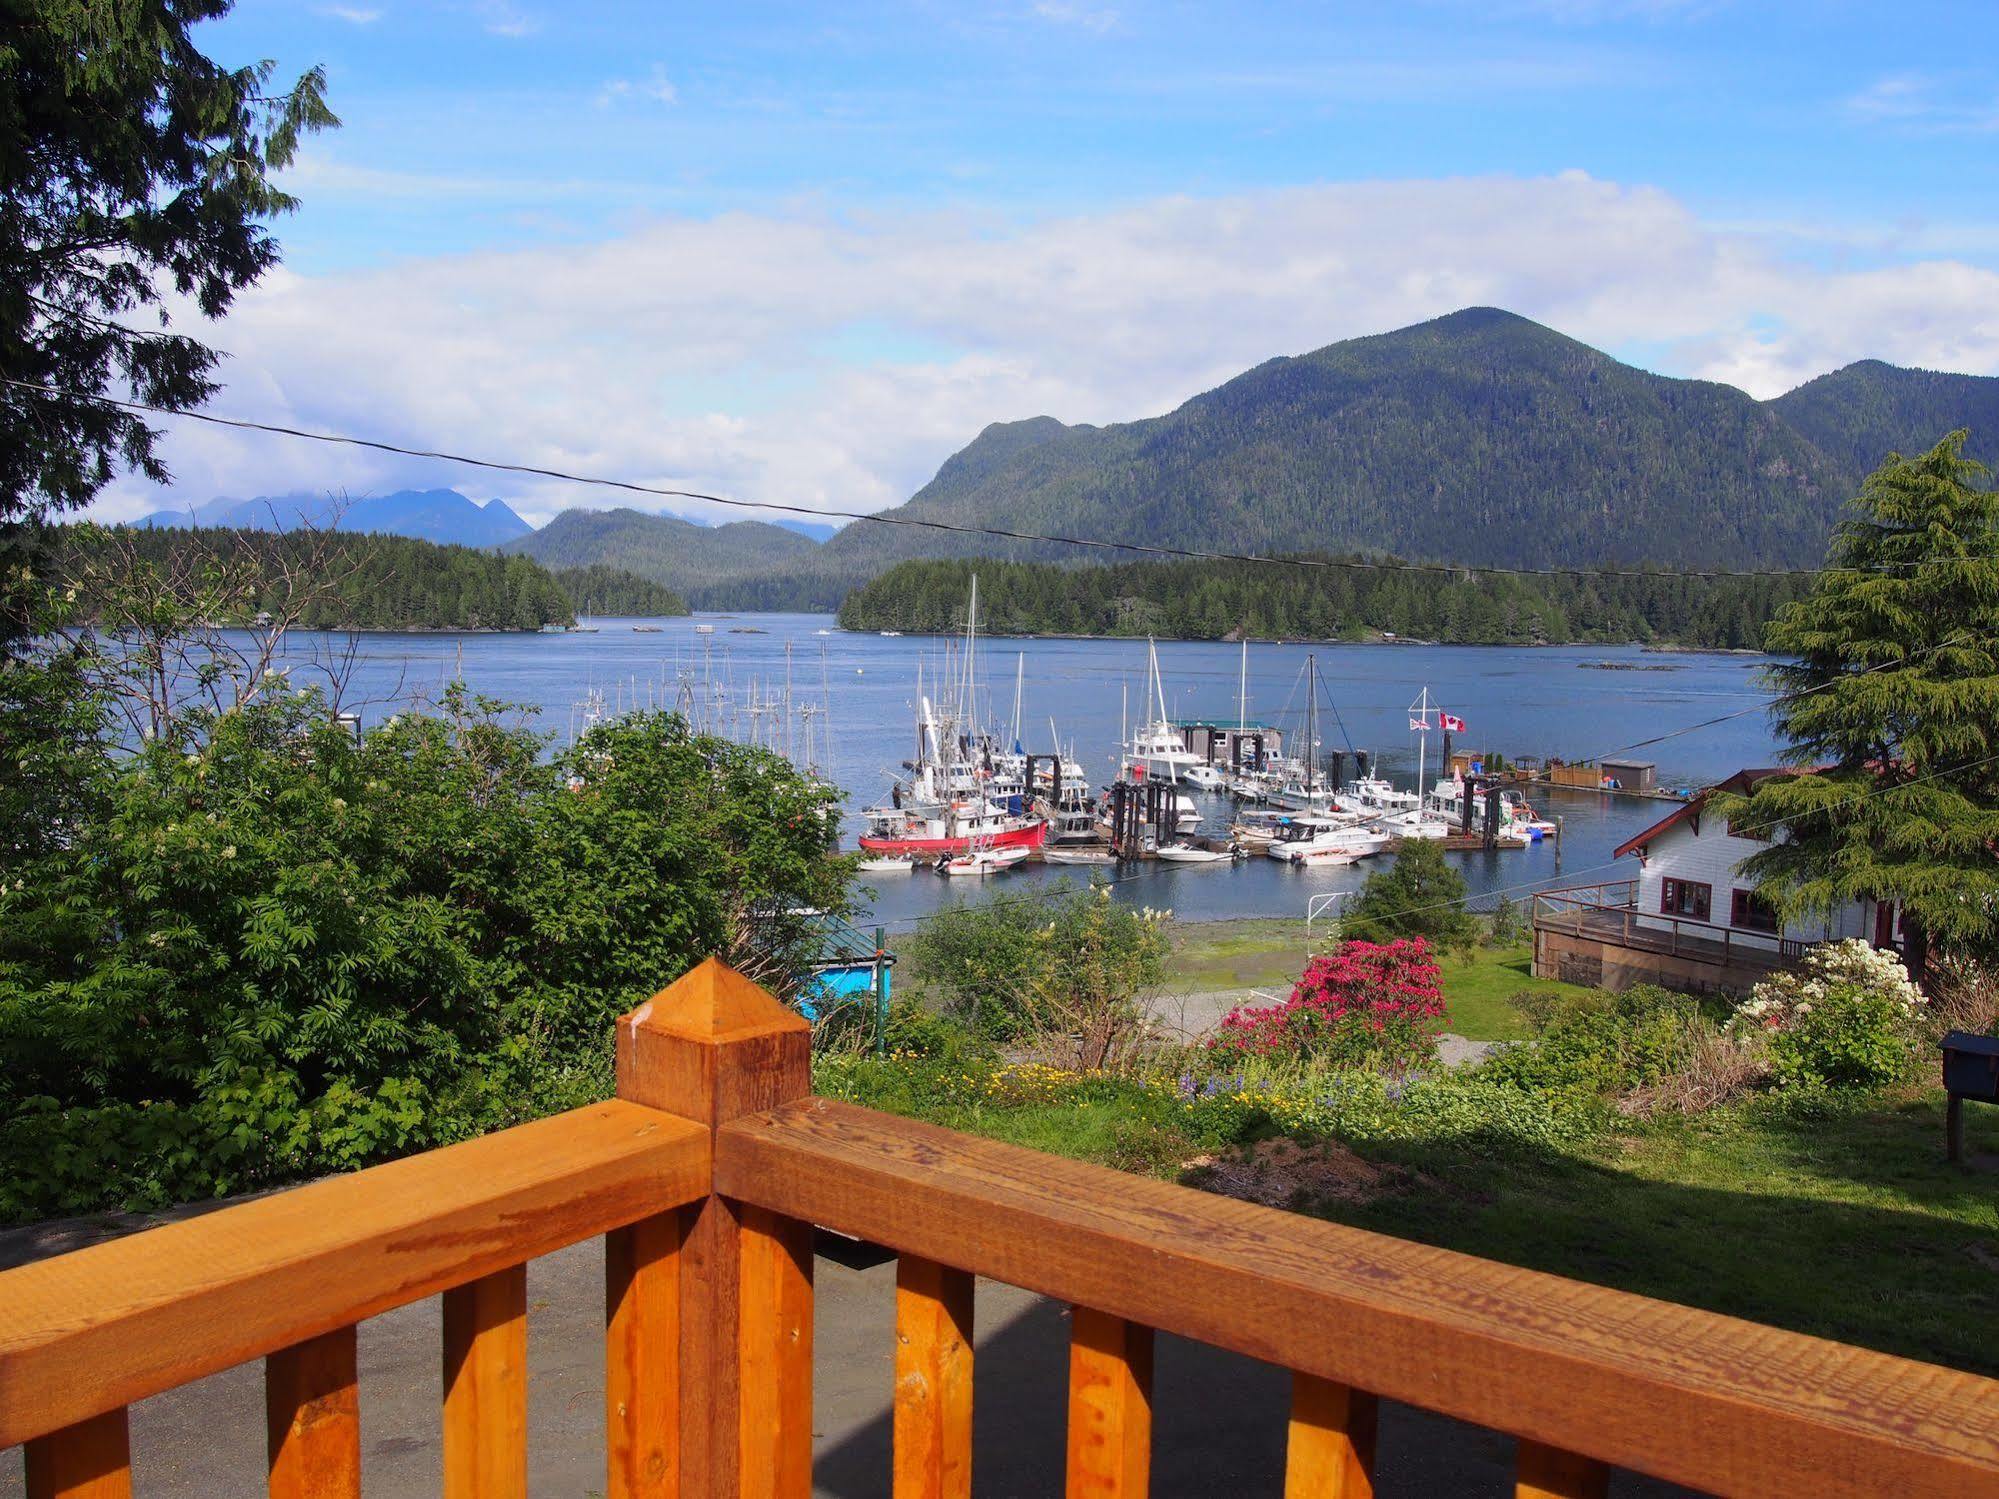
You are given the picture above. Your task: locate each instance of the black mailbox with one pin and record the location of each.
(1970, 1070)
(1971, 1066)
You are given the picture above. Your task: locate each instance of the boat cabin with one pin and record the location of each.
(1689, 919)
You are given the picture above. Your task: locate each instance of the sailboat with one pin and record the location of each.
(1156, 750)
(1306, 793)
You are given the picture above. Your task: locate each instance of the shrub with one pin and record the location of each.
(1848, 1017)
(1507, 928)
(1419, 895)
(1363, 1003)
(1646, 1047)
(1062, 968)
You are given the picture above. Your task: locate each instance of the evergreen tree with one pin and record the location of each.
(1891, 712)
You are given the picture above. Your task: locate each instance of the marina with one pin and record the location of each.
(1088, 695)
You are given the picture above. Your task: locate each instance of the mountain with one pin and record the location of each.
(440, 515)
(701, 563)
(1479, 437)
(1857, 415)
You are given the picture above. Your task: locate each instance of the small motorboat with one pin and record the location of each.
(1206, 777)
(1085, 854)
(886, 866)
(1193, 853)
(984, 861)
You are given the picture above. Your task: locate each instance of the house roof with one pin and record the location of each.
(1741, 781)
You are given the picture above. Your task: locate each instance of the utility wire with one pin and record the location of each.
(1197, 554)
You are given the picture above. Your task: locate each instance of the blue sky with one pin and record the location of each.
(808, 251)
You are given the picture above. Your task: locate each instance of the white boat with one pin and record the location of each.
(1193, 853)
(886, 866)
(1324, 839)
(984, 861)
(889, 634)
(1372, 796)
(1054, 854)
(1204, 777)
(704, 629)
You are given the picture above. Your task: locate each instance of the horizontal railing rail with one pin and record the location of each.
(1704, 1400)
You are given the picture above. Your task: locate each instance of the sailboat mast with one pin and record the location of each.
(1019, 675)
(1311, 723)
(1242, 690)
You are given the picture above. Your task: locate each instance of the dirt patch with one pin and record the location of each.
(1284, 1173)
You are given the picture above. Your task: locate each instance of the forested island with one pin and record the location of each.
(347, 581)
(1217, 600)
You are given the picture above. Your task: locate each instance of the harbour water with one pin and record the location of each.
(1576, 702)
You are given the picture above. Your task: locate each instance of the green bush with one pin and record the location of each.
(269, 951)
(1848, 1037)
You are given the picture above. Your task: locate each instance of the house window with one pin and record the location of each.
(1685, 898)
(1752, 912)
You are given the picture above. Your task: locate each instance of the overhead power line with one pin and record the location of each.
(1195, 554)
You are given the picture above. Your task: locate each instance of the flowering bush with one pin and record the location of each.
(1364, 1003)
(1847, 1018)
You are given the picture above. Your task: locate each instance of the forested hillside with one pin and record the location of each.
(689, 559)
(598, 589)
(1213, 600)
(361, 582)
(1857, 415)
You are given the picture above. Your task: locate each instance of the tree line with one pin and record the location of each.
(354, 581)
(1202, 600)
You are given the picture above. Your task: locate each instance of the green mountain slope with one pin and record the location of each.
(1480, 436)
(694, 561)
(1857, 415)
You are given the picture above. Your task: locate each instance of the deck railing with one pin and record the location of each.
(1610, 912)
(707, 1175)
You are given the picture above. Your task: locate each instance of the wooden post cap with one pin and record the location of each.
(713, 1046)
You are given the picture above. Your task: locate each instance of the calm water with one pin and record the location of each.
(1516, 701)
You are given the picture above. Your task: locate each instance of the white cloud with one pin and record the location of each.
(1921, 103)
(835, 361)
(1066, 13)
(504, 18)
(353, 15)
(656, 86)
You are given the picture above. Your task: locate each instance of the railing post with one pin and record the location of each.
(90, 1460)
(312, 1418)
(1110, 1406)
(1550, 1473)
(1330, 1451)
(713, 1047)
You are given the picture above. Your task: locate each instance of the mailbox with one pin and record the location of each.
(1971, 1066)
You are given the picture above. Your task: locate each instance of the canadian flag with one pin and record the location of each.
(1450, 723)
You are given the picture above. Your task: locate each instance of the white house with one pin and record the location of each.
(1690, 919)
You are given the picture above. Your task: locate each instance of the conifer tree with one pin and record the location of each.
(1891, 707)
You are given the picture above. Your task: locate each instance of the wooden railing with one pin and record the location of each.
(707, 1175)
(1610, 911)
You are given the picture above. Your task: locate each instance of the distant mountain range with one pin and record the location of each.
(441, 515)
(1480, 437)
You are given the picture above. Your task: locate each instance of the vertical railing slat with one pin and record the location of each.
(774, 1440)
(90, 1460)
(312, 1418)
(933, 1380)
(1330, 1451)
(1110, 1406)
(485, 1387)
(1551, 1473)
(642, 1358)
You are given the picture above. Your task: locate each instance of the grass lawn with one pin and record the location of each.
(1478, 992)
